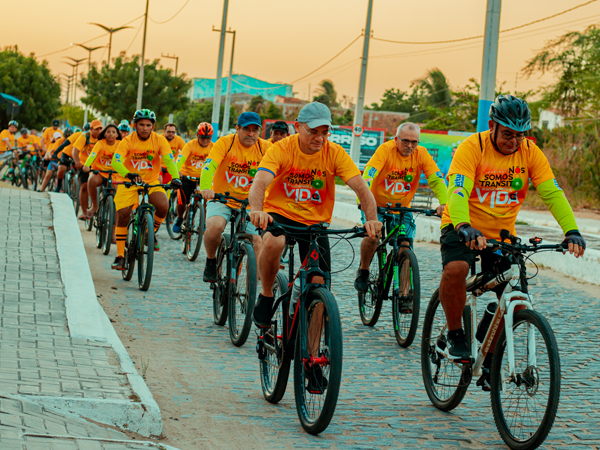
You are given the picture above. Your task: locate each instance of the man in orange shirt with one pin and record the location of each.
(81, 150)
(295, 185)
(176, 143)
(48, 135)
(279, 131)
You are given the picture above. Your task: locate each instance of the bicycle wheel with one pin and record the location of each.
(525, 406)
(242, 295)
(446, 382)
(172, 216)
(220, 304)
(31, 178)
(369, 303)
(109, 223)
(130, 252)
(4, 168)
(195, 231)
(89, 221)
(406, 299)
(274, 362)
(145, 252)
(99, 219)
(74, 191)
(317, 378)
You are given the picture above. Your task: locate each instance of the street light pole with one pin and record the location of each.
(360, 103)
(75, 68)
(487, 93)
(218, 81)
(90, 50)
(228, 92)
(176, 58)
(141, 80)
(111, 31)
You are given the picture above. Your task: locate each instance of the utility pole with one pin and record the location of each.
(360, 103)
(75, 67)
(73, 79)
(141, 80)
(111, 31)
(90, 50)
(68, 79)
(176, 58)
(487, 93)
(228, 92)
(217, 97)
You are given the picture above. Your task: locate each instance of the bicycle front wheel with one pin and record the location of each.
(446, 382)
(369, 303)
(525, 405)
(172, 216)
(99, 218)
(108, 225)
(318, 372)
(29, 179)
(274, 362)
(195, 232)
(220, 304)
(130, 252)
(406, 299)
(242, 295)
(146, 251)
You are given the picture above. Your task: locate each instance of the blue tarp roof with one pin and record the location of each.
(10, 98)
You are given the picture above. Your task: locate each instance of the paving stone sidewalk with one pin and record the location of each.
(37, 355)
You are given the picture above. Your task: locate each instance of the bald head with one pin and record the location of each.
(409, 126)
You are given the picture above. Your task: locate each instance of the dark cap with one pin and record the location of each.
(281, 126)
(55, 123)
(249, 118)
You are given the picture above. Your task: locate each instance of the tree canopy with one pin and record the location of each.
(326, 94)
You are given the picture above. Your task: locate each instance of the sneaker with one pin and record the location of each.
(118, 264)
(156, 245)
(361, 283)
(263, 311)
(484, 380)
(177, 225)
(458, 346)
(210, 271)
(317, 383)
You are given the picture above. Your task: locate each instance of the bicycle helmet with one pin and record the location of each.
(205, 129)
(124, 127)
(87, 127)
(144, 114)
(68, 132)
(512, 112)
(76, 130)
(13, 122)
(125, 121)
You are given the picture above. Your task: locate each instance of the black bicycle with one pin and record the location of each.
(194, 223)
(311, 336)
(234, 292)
(104, 218)
(71, 185)
(140, 237)
(172, 217)
(14, 176)
(29, 171)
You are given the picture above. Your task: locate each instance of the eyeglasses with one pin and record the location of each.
(251, 130)
(170, 132)
(510, 136)
(406, 142)
(314, 133)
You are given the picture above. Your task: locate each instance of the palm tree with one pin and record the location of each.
(436, 89)
(326, 93)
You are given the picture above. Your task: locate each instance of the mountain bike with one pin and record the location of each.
(171, 217)
(71, 186)
(104, 218)
(234, 292)
(29, 171)
(525, 370)
(394, 275)
(13, 176)
(194, 222)
(140, 237)
(312, 336)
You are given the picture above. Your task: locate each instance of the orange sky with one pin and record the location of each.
(281, 41)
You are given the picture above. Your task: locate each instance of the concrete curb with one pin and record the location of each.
(86, 319)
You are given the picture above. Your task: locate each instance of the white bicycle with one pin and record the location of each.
(525, 371)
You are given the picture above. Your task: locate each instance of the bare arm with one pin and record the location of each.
(256, 197)
(368, 205)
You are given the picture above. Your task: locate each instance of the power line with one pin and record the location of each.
(479, 37)
(136, 35)
(181, 9)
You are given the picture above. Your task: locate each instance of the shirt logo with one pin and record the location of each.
(556, 184)
(302, 194)
(459, 180)
(440, 175)
(497, 197)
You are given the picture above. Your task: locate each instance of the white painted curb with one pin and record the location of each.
(86, 319)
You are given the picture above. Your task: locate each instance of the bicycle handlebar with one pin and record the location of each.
(515, 244)
(144, 185)
(222, 198)
(400, 208)
(278, 229)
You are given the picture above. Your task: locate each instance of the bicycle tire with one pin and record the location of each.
(460, 376)
(109, 223)
(31, 178)
(130, 253)
(99, 219)
(146, 251)
(527, 382)
(274, 374)
(405, 335)
(195, 232)
(89, 221)
(370, 303)
(171, 216)
(4, 168)
(220, 303)
(242, 295)
(331, 349)
(24, 180)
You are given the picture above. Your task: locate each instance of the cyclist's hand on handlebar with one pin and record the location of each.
(86, 168)
(176, 183)
(78, 165)
(575, 242)
(440, 210)
(260, 219)
(134, 177)
(373, 228)
(472, 238)
(207, 194)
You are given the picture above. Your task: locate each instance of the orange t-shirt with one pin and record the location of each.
(143, 157)
(195, 155)
(6, 135)
(29, 142)
(68, 150)
(48, 135)
(398, 176)
(84, 150)
(177, 144)
(500, 181)
(304, 186)
(236, 165)
(56, 144)
(101, 157)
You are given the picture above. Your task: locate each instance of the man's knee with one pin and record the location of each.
(215, 224)
(272, 246)
(455, 270)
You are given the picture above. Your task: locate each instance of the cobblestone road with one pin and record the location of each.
(213, 389)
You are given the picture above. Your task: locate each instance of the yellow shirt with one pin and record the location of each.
(143, 157)
(6, 135)
(29, 142)
(304, 186)
(398, 176)
(101, 157)
(500, 181)
(48, 135)
(84, 149)
(57, 144)
(176, 145)
(237, 165)
(68, 150)
(194, 155)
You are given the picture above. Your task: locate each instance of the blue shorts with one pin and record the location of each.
(224, 211)
(409, 223)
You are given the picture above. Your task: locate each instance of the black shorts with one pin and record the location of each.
(83, 176)
(187, 189)
(303, 242)
(65, 160)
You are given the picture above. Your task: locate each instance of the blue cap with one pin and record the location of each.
(249, 118)
(314, 115)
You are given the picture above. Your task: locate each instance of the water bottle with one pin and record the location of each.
(295, 297)
(483, 326)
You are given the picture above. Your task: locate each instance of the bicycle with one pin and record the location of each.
(312, 337)
(234, 292)
(29, 171)
(140, 237)
(194, 221)
(71, 186)
(524, 366)
(14, 177)
(171, 217)
(104, 217)
(396, 272)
